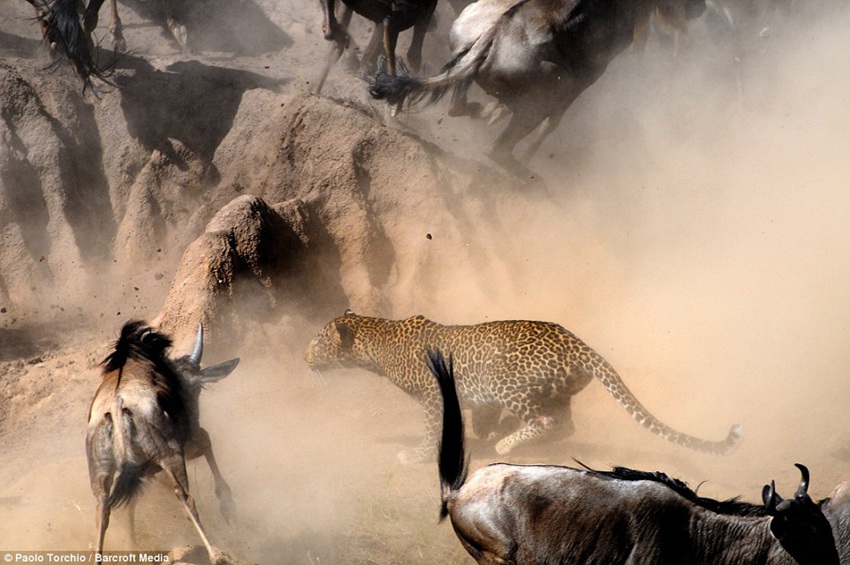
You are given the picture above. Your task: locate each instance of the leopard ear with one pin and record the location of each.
(346, 336)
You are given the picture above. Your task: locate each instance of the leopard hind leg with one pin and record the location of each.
(560, 412)
(485, 421)
(532, 430)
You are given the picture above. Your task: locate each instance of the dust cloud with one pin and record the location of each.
(695, 235)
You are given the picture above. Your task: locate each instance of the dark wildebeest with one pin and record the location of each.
(534, 56)
(144, 419)
(67, 27)
(530, 514)
(391, 18)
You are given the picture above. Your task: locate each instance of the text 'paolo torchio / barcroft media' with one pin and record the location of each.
(84, 557)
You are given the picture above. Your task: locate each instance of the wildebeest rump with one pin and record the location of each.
(534, 56)
(391, 18)
(144, 418)
(534, 514)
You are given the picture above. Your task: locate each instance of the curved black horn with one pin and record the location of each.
(768, 495)
(199, 346)
(803, 489)
(771, 498)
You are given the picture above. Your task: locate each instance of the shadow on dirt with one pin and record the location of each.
(239, 27)
(17, 46)
(189, 101)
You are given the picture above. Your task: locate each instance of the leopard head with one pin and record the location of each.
(334, 345)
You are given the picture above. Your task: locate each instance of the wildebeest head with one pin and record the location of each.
(189, 368)
(800, 524)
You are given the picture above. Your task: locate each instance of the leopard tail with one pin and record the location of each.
(613, 383)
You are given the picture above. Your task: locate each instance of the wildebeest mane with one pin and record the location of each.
(137, 341)
(142, 343)
(731, 506)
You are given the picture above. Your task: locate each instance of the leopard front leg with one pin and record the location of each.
(427, 450)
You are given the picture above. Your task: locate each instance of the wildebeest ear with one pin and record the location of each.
(346, 336)
(218, 372)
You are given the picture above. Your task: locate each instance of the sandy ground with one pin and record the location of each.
(696, 237)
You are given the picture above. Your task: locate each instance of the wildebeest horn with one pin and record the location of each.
(770, 498)
(199, 346)
(803, 489)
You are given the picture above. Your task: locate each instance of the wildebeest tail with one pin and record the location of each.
(127, 483)
(458, 73)
(62, 27)
(452, 462)
(127, 454)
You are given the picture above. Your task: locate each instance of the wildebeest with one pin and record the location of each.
(67, 27)
(530, 514)
(534, 56)
(144, 419)
(391, 18)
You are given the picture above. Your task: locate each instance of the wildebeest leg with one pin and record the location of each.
(550, 124)
(391, 31)
(341, 41)
(116, 28)
(102, 519)
(523, 122)
(373, 48)
(460, 106)
(203, 444)
(420, 28)
(131, 522)
(102, 470)
(175, 468)
(90, 17)
(330, 27)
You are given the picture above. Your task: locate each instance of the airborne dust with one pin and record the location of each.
(695, 235)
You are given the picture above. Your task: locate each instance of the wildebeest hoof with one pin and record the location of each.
(119, 44)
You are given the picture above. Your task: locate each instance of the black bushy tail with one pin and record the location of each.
(452, 462)
(62, 27)
(457, 74)
(127, 483)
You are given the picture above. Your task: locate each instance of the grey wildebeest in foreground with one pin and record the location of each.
(67, 27)
(532, 369)
(535, 514)
(534, 56)
(144, 419)
(390, 18)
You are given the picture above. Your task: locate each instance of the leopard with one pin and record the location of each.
(530, 369)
